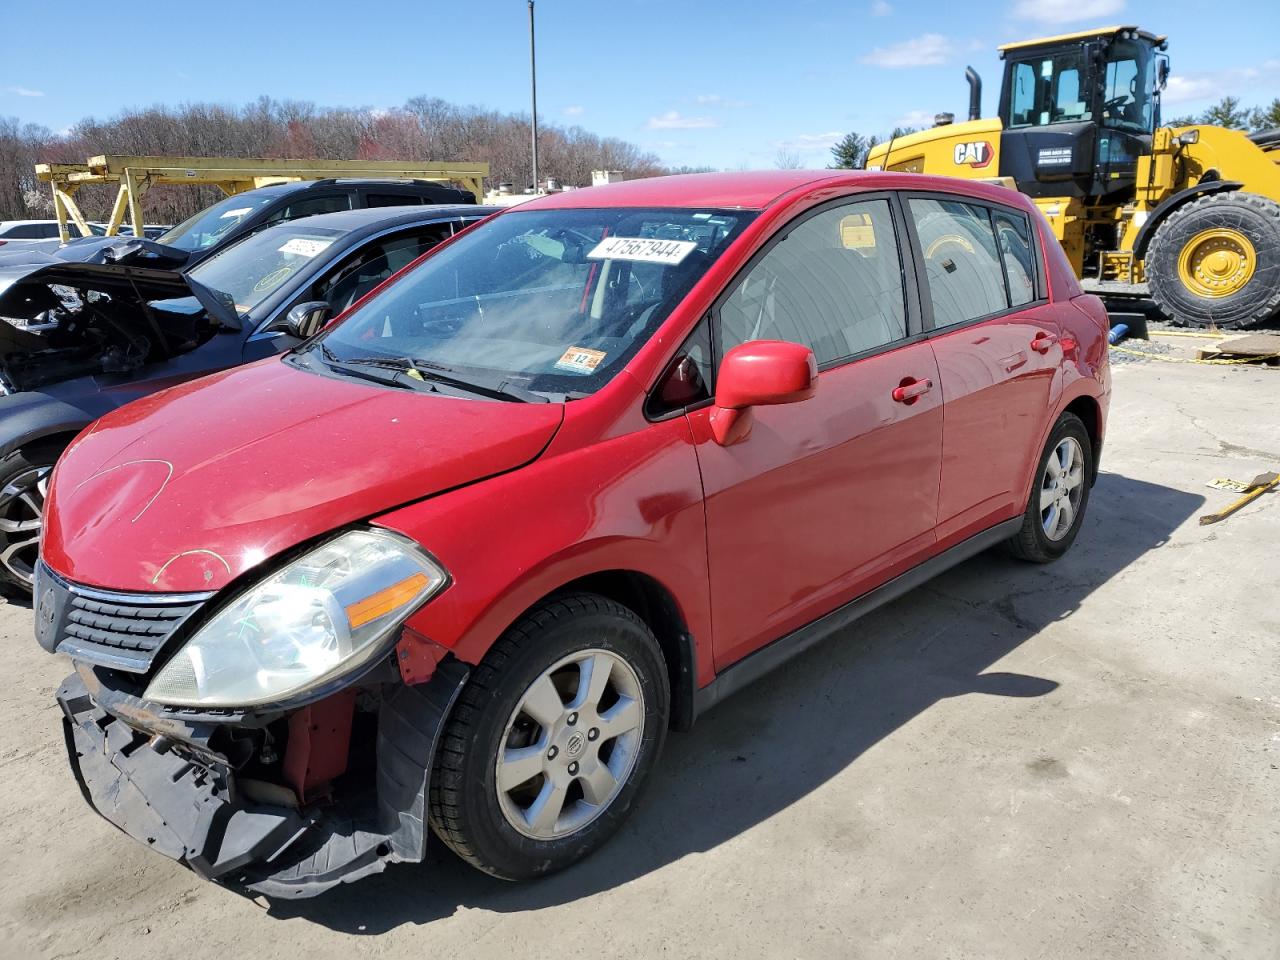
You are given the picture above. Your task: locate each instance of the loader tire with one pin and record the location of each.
(1216, 261)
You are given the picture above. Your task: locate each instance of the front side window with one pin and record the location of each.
(834, 283)
(962, 266)
(1127, 101)
(374, 264)
(552, 301)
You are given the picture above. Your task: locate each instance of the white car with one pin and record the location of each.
(29, 235)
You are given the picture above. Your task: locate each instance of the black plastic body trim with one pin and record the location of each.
(1161, 213)
(755, 665)
(185, 803)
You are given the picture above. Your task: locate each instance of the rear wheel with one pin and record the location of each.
(1060, 495)
(24, 481)
(1216, 261)
(551, 738)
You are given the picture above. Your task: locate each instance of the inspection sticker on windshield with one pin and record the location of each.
(580, 360)
(305, 246)
(642, 250)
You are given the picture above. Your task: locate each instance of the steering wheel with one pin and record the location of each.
(1111, 105)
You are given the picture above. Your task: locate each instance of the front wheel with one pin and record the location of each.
(1059, 496)
(24, 481)
(551, 738)
(1216, 261)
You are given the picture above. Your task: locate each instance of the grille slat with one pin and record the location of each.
(122, 631)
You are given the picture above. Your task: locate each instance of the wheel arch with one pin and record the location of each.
(1087, 408)
(650, 600)
(656, 603)
(31, 418)
(1161, 213)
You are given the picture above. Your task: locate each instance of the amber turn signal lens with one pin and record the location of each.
(384, 601)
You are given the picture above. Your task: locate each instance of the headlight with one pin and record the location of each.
(323, 615)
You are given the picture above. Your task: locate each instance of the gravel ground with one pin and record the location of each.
(1013, 761)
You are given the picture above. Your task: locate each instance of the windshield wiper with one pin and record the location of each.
(428, 372)
(397, 378)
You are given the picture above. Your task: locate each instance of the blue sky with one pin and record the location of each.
(698, 83)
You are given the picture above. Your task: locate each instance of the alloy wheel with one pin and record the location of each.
(570, 745)
(1061, 488)
(21, 519)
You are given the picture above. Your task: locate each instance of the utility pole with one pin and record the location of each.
(533, 92)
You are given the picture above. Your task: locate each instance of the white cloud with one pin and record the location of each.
(1187, 89)
(930, 48)
(916, 118)
(809, 143)
(673, 120)
(1211, 85)
(879, 8)
(1066, 11)
(24, 92)
(574, 111)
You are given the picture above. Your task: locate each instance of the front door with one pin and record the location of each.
(828, 497)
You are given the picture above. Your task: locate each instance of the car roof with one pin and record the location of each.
(752, 190)
(379, 217)
(294, 186)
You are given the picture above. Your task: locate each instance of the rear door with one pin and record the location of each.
(828, 497)
(983, 297)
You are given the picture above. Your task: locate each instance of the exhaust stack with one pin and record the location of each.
(975, 93)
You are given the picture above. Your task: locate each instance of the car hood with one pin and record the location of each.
(26, 287)
(136, 251)
(187, 489)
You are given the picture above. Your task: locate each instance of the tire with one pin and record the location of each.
(493, 829)
(1034, 541)
(1244, 298)
(24, 480)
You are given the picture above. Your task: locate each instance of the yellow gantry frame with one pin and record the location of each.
(135, 175)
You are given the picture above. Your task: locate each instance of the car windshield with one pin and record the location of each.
(213, 223)
(551, 301)
(251, 269)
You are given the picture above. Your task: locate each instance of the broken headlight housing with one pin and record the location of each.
(318, 618)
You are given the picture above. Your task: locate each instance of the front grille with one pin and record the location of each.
(123, 631)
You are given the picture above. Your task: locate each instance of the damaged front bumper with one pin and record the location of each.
(168, 783)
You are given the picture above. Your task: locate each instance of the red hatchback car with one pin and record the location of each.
(463, 558)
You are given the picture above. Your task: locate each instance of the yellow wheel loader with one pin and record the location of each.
(1189, 215)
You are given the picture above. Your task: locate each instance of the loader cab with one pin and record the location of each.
(1078, 111)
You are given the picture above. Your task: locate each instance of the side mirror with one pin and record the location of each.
(757, 374)
(307, 319)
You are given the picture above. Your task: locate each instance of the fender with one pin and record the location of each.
(29, 417)
(631, 504)
(1161, 213)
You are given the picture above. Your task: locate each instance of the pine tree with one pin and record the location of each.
(1228, 113)
(1265, 118)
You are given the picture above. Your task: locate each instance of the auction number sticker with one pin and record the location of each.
(643, 250)
(236, 214)
(580, 360)
(305, 246)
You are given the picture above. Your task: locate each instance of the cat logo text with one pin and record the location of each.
(975, 153)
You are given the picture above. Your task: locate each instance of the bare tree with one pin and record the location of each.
(787, 160)
(424, 129)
